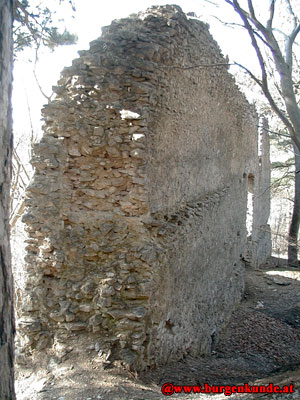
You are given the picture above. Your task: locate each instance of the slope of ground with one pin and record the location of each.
(260, 345)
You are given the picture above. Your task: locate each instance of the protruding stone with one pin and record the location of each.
(95, 320)
(29, 325)
(86, 307)
(76, 326)
(139, 191)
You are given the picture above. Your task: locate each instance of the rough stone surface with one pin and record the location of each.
(260, 245)
(137, 212)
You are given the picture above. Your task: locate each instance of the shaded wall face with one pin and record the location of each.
(136, 216)
(203, 145)
(201, 138)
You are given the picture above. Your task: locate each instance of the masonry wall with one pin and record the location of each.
(261, 232)
(137, 213)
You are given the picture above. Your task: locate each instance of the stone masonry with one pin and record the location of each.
(259, 242)
(136, 216)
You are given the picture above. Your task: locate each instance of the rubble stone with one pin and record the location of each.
(136, 215)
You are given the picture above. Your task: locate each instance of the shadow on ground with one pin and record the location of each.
(260, 344)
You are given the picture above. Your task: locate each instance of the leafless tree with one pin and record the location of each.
(275, 51)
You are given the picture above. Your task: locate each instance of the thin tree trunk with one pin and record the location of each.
(6, 285)
(295, 222)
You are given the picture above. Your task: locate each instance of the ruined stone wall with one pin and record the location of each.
(259, 241)
(136, 215)
(261, 227)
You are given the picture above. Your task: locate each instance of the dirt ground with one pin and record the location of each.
(260, 345)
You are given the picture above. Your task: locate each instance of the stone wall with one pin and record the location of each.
(259, 187)
(137, 213)
(261, 229)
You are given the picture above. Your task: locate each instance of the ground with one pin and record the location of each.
(260, 345)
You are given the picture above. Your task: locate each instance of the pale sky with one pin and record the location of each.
(88, 19)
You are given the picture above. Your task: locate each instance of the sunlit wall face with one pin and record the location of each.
(27, 97)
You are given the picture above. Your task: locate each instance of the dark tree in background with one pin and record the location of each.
(33, 27)
(6, 285)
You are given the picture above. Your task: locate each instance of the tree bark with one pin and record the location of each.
(295, 222)
(6, 283)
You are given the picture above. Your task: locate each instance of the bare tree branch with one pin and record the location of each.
(289, 46)
(40, 87)
(245, 18)
(27, 17)
(252, 16)
(291, 11)
(251, 9)
(268, 95)
(273, 132)
(229, 24)
(292, 119)
(271, 17)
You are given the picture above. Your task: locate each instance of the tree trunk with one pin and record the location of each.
(295, 222)
(6, 285)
